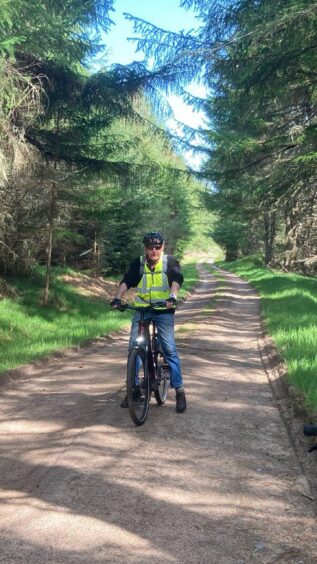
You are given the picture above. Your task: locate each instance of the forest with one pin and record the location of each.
(87, 165)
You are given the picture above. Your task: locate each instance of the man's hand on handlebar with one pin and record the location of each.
(116, 303)
(171, 302)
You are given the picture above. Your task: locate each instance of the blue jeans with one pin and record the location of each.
(165, 328)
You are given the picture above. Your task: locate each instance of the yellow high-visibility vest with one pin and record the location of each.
(153, 286)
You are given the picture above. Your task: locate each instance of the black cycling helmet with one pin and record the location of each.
(153, 238)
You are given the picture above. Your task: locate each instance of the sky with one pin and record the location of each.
(162, 13)
(166, 14)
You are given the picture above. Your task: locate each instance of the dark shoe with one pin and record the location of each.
(137, 396)
(180, 401)
(124, 402)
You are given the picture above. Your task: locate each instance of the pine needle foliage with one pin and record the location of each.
(258, 60)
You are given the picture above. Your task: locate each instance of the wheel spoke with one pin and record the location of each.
(163, 383)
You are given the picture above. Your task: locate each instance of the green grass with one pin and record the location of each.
(289, 309)
(191, 278)
(203, 246)
(29, 331)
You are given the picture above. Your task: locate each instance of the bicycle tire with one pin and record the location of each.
(162, 389)
(138, 386)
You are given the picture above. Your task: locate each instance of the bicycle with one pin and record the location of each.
(147, 369)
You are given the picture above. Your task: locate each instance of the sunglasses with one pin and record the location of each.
(154, 247)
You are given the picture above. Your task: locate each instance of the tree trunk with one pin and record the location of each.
(96, 256)
(231, 254)
(269, 235)
(49, 248)
(291, 233)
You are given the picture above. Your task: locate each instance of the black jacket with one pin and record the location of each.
(174, 274)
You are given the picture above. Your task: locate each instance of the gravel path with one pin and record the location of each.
(219, 484)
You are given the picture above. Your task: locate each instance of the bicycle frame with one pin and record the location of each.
(147, 341)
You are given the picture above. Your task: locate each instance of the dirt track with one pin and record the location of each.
(219, 484)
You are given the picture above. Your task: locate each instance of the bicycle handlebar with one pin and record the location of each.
(150, 307)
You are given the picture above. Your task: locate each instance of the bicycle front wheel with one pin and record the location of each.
(138, 386)
(163, 378)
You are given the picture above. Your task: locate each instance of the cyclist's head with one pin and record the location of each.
(154, 246)
(153, 239)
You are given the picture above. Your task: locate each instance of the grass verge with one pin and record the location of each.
(29, 331)
(289, 310)
(191, 278)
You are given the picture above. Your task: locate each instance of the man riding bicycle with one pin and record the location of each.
(157, 277)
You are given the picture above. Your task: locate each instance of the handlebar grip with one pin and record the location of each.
(310, 430)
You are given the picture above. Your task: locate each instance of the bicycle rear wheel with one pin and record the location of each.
(138, 386)
(163, 377)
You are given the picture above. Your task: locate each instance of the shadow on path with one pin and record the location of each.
(80, 483)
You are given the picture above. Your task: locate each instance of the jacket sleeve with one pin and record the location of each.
(174, 272)
(132, 276)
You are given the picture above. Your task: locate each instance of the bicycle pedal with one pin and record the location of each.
(139, 400)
